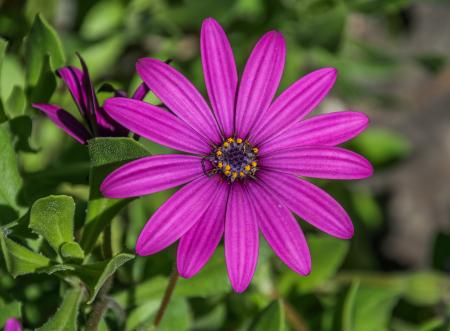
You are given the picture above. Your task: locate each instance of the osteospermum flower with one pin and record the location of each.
(12, 324)
(97, 122)
(246, 154)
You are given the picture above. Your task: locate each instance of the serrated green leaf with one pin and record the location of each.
(96, 274)
(9, 310)
(102, 19)
(52, 218)
(19, 259)
(65, 318)
(271, 318)
(41, 40)
(10, 179)
(106, 155)
(16, 103)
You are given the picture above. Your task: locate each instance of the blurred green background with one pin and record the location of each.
(392, 57)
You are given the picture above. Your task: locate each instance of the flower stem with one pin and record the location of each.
(166, 299)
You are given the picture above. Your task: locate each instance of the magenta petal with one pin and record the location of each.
(180, 96)
(156, 124)
(280, 229)
(328, 129)
(294, 103)
(151, 174)
(13, 324)
(141, 92)
(220, 73)
(65, 121)
(319, 162)
(259, 81)
(177, 215)
(198, 244)
(309, 202)
(73, 78)
(241, 238)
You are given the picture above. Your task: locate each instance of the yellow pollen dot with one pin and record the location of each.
(219, 153)
(230, 140)
(225, 144)
(235, 174)
(239, 140)
(227, 173)
(220, 165)
(247, 167)
(227, 167)
(241, 174)
(255, 150)
(254, 164)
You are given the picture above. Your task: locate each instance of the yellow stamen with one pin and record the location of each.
(235, 174)
(227, 173)
(227, 167)
(254, 164)
(225, 144)
(239, 140)
(219, 153)
(255, 150)
(230, 140)
(247, 167)
(220, 165)
(241, 174)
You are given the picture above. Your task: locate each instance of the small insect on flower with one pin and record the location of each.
(97, 123)
(13, 324)
(247, 154)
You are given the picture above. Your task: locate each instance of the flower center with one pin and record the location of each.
(234, 159)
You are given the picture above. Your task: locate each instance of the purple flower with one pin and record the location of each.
(97, 122)
(12, 324)
(246, 156)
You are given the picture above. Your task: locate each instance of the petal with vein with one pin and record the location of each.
(220, 73)
(280, 229)
(180, 96)
(260, 81)
(73, 78)
(309, 202)
(177, 215)
(328, 129)
(151, 174)
(156, 124)
(319, 162)
(241, 238)
(65, 121)
(294, 103)
(198, 244)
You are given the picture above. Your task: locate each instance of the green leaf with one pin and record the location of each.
(46, 84)
(271, 318)
(348, 309)
(96, 274)
(102, 19)
(16, 103)
(106, 155)
(10, 179)
(328, 254)
(65, 318)
(71, 251)
(3, 46)
(21, 129)
(41, 40)
(19, 259)
(52, 218)
(9, 310)
(425, 288)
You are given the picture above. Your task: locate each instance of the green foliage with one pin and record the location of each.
(66, 248)
(65, 318)
(52, 218)
(271, 318)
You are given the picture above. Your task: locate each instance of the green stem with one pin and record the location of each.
(166, 299)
